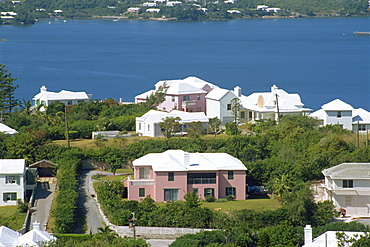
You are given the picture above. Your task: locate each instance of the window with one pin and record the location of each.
(196, 191)
(362, 127)
(139, 126)
(171, 176)
(228, 107)
(347, 183)
(201, 178)
(141, 192)
(9, 196)
(164, 109)
(173, 98)
(148, 127)
(144, 172)
(185, 98)
(209, 191)
(11, 179)
(198, 109)
(69, 102)
(250, 115)
(242, 114)
(230, 175)
(339, 114)
(198, 97)
(171, 194)
(348, 200)
(230, 191)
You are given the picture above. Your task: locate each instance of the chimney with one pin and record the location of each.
(307, 235)
(43, 89)
(238, 91)
(273, 88)
(36, 225)
(186, 159)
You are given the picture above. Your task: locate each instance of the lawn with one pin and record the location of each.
(10, 217)
(116, 177)
(255, 204)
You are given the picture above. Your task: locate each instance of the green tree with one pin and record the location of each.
(195, 129)
(7, 89)
(170, 125)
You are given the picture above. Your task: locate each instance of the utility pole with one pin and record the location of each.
(358, 134)
(277, 107)
(66, 120)
(133, 223)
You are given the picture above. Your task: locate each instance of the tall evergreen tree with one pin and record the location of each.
(7, 89)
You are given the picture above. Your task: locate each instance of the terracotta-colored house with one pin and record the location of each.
(170, 175)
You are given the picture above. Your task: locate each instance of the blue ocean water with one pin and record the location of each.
(318, 58)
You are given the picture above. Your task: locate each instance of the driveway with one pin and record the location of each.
(87, 204)
(43, 199)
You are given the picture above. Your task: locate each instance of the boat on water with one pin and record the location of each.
(361, 33)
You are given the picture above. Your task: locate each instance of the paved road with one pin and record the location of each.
(87, 204)
(43, 199)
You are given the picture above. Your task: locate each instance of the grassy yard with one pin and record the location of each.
(255, 204)
(10, 217)
(116, 177)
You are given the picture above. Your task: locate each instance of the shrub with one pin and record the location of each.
(210, 198)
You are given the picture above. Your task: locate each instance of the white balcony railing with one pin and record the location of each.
(189, 103)
(138, 182)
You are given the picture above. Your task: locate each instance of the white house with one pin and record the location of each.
(348, 186)
(172, 3)
(262, 7)
(12, 181)
(148, 124)
(339, 112)
(133, 10)
(66, 97)
(267, 105)
(274, 10)
(187, 94)
(327, 239)
(35, 237)
(218, 104)
(7, 130)
(147, 4)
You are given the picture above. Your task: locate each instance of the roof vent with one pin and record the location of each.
(194, 164)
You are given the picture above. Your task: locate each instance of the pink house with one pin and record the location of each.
(170, 175)
(187, 94)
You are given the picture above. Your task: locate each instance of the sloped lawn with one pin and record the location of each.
(10, 217)
(255, 204)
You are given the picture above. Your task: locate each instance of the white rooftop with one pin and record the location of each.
(35, 237)
(186, 117)
(183, 88)
(62, 95)
(361, 116)
(329, 239)
(217, 93)
(7, 129)
(178, 160)
(266, 101)
(337, 105)
(191, 80)
(12, 166)
(349, 171)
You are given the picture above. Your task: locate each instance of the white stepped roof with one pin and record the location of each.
(183, 88)
(62, 95)
(361, 115)
(349, 171)
(35, 237)
(337, 105)
(266, 101)
(145, 94)
(12, 166)
(174, 160)
(218, 93)
(7, 129)
(191, 80)
(186, 117)
(8, 237)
